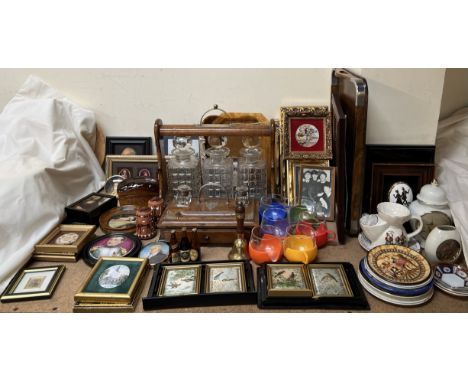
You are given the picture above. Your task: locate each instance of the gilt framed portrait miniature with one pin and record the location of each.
(288, 280)
(112, 280)
(225, 278)
(128, 146)
(306, 132)
(65, 238)
(33, 283)
(329, 280)
(180, 280)
(111, 245)
(132, 166)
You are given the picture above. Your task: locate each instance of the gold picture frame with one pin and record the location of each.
(27, 283)
(45, 246)
(93, 289)
(282, 281)
(180, 278)
(305, 127)
(134, 160)
(333, 283)
(214, 283)
(292, 179)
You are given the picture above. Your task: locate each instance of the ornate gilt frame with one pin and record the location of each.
(110, 159)
(44, 246)
(288, 112)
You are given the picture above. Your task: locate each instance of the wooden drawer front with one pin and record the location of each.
(207, 237)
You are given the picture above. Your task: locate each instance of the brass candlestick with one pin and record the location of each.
(239, 248)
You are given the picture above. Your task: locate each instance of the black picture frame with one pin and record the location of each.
(153, 301)
(75, 215)
(357, 302)
(91, 261)
(140, 145)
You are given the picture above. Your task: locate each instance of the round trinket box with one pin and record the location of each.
(398, 264)
(113, 245)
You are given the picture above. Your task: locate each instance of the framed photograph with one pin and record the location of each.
(318, 184)
(112, 280)
(225, 278)
(119, 219)
(132, 166)
(293, 170)
(129, 146)
(407, 178)
(168, 144)
(111, 245)
(180, 280)
(65, 238)
(307, 132)
(88, 209)
(288, 280)
(33, 283)
(329, 280)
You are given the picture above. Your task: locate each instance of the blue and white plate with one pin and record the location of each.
(452, 278)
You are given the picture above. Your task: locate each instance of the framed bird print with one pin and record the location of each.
(288, 280)
(306, 132)
(225, 278)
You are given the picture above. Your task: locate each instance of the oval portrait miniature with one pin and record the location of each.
(400, 193)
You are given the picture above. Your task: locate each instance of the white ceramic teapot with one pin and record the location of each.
(392, 216)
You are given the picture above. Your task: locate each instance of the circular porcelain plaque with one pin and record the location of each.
(307, 135)
(397, 264)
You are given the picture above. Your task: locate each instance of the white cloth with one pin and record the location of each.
(452, 168)
(46, 163)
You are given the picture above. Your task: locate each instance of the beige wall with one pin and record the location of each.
(403, 103)
(127, 101)
(455, 94)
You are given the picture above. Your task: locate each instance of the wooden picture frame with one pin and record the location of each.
(211, 279)
(384, 175)
(320, 190)
(307, 132)
(88, 209)
(112, 280)
(129, 146)
(53, 244)
(33, 284)
(288, 280)
(177, 275)
(329, 280)
(132, 166)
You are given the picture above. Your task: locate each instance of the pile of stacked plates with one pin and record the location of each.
(452, 279)
(397, 274)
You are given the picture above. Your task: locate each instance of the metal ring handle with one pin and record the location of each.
(214, 108)
(212, 184)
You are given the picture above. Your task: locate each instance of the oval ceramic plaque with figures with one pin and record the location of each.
(398, 264)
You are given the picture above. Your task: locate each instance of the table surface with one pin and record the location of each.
(75, 273)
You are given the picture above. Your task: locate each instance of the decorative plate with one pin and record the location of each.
(114, 244)
(392, 289)
(393, 299)
(452, 276)
(366, 243)
(119, 219)
(398, 264)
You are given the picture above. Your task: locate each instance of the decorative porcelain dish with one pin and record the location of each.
(399, 265)
(392, 289)
(452, 278)
(393, 299)
(366, 243)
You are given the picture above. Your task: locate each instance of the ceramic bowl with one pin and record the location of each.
(452, 276)
(393, 213)
(366, 244)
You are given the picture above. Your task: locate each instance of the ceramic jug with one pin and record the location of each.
(392, 216)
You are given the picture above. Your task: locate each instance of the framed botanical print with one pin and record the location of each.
(307, 132)
(329, 280)
(225, 278)
(317, 184)
(33, 283)
(128, 146)
(132, 166)
(180, 280)
(288, 280)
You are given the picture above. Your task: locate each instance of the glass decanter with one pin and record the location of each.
(183, 169)
(218, 168)
(252, 172)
